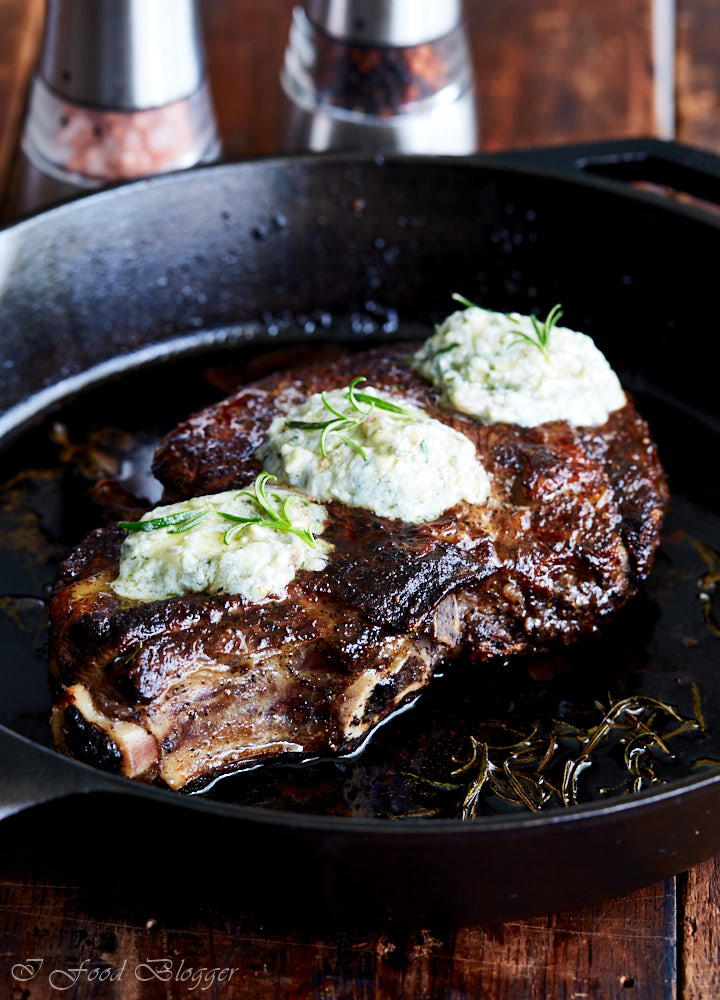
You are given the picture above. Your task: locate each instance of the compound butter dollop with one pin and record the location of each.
(483, 368)
(408, 466)
(256, 561)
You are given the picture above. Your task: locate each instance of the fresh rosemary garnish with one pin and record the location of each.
(343, 422)
(277, 520)
(543, 769)
(175, 523)
(541, 340)
(542, 331)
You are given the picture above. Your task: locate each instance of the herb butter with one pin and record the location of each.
(401, 465)
(485, 364)
(218, 554)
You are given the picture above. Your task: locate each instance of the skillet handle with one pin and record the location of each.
(682, 168)
(31, 775)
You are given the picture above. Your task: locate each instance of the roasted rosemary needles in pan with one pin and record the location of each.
(544, 769)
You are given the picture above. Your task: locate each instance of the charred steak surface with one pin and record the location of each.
(190, 687)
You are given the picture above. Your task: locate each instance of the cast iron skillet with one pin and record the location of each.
(148, 272)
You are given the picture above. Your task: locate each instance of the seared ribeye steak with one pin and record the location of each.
(186, 688)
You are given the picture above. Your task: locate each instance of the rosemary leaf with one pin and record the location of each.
(189, 524)
(354, 446)
(381, 404)
(239, 520)
(329, 406)
(351, 392)
(306, 425)
(705, 762)
(334, 425)
(463, 301)
(444, 350)
(180, 517)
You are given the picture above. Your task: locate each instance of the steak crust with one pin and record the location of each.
(190, 687)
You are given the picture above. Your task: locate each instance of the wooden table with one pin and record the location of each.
(548, 71)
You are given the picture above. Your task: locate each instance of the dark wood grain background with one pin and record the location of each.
(547, 71)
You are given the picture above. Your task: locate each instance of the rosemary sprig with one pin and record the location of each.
(269, 517)
(277, 520)
(541, 340)
(381, 404)
(343, 422)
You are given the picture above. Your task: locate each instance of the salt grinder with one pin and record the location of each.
(119, 92)
(379, 75)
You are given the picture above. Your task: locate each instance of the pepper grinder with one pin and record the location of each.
(119, 92)
(388, 75)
